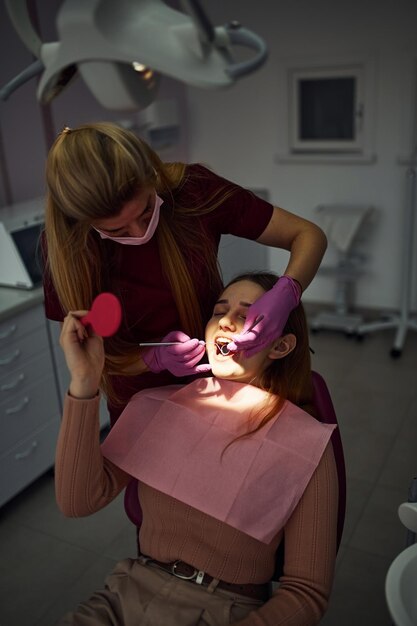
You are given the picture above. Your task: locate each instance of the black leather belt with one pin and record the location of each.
(188, 572)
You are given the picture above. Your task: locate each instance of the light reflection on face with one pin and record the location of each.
(133, 220)
(228, 318)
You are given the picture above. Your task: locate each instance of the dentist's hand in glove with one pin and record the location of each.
(275, 306)
(181, 359)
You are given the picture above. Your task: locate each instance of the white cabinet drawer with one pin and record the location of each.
(27, 461)
(17, 352)
(27, 411)
(28, 373)
(15, 327)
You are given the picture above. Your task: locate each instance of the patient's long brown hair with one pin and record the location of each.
(288, 378)
(91, 172)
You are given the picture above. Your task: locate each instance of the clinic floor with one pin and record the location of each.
(48, 563)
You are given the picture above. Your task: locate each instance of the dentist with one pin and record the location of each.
(119, 219)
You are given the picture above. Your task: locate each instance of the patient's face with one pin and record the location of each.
(228, 318)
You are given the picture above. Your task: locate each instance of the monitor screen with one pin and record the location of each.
(27, 241)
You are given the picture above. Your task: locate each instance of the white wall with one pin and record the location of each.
(236, 131)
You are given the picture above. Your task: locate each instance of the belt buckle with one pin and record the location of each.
(193, 576)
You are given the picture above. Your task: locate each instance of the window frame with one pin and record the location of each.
(300, 144)
(296, 149)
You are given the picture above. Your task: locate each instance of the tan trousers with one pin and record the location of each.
(144, 595)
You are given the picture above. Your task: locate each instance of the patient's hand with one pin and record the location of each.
(84, 354)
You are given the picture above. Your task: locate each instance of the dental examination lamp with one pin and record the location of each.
(121, 48)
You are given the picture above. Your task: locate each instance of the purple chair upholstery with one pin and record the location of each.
(326, 414)
(325, 410)
(132, 504)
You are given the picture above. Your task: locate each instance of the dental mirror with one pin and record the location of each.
(105, 315)
(224, 350)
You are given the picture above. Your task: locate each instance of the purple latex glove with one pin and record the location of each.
(180, 360)
(275, 305)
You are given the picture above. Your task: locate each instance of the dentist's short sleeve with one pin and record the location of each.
(241, 213)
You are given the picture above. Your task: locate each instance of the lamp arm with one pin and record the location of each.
(19, 15)
(31, 71)
(244, 37)
(201, 21)
(222, 36)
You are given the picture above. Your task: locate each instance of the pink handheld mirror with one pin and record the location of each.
(105, 315)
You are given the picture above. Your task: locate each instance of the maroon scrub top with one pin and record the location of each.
(135, 273)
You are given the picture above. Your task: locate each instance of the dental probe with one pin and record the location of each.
(225, 350)
(178, 343)
(222, 349)
(256, 321)
(164, 343)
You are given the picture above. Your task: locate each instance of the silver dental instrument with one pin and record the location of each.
(160, 343)
(164, 343)
(223, 349)
(256, 321)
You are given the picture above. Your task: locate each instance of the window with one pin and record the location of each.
(328, 110)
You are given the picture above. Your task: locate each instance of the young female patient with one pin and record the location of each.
(227, 466)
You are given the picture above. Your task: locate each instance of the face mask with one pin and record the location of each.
(138, 241)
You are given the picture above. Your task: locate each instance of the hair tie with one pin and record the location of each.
(66, 130)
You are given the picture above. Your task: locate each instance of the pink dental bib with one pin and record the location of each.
(172, 439)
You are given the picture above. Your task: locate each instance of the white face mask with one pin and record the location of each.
(138, 241)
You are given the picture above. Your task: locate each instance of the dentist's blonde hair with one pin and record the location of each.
(91, 172)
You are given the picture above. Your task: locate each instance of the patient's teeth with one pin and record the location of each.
(221, 345)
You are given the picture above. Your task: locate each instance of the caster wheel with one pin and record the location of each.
(314, 331)
(349, 334)
(395, 353)
(359, 337)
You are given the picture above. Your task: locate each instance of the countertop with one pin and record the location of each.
(13, 301)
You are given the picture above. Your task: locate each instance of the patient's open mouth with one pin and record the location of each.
(221, 344)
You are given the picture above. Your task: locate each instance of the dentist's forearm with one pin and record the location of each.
(306, 254)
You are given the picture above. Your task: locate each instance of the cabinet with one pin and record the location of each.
(29, 407)
(33, 381)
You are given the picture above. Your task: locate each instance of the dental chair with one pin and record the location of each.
(344, 226)
(326, 414)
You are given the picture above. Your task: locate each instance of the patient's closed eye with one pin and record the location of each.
(218, 313)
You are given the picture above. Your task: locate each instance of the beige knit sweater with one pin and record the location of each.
(86, 482)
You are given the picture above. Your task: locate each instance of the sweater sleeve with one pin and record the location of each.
(310, 552)
(85, 481)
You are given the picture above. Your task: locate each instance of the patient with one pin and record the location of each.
(226, 467)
